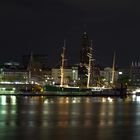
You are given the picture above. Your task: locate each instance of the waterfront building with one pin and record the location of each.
(13, 72)
(106, 75)
(135, 73)
(37, 72)
(14, 76)
(70, 75)
(131, 74)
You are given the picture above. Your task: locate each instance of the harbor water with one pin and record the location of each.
(69, 118)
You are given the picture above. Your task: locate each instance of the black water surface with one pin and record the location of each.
(69, 118)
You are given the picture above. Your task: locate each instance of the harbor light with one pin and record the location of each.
(13, 89)
(120, 73)
(104, 79)
(73, 71)
(110, 99)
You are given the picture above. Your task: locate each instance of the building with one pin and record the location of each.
(14, 76)
(106, 75)
(131, 74)
(13, 72)
(70, 75)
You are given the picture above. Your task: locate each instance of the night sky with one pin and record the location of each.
(41, 26)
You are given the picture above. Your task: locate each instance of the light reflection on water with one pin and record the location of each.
(69, 117)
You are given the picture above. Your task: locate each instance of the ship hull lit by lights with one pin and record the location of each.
(76, 91)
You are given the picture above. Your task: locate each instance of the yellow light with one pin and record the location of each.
(110, 99)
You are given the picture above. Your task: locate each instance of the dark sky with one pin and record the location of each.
(41, 26)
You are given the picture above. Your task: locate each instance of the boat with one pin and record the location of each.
(65, 90)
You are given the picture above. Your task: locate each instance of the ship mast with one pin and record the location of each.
(113, 68)
(62, 65)
(30, 68)
(89, 65)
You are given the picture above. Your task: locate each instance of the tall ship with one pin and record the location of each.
(66, 90)
(63, 88)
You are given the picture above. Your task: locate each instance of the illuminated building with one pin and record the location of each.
(37, 68)
(70, 75)
(106, 75)
(135, 73)
(131, 74)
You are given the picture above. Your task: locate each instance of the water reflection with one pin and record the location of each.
(69, 117)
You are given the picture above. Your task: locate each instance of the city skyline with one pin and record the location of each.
(41, 26)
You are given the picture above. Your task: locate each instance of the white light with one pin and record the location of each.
(103, 100)
(138, 90)
(73, 71)
(3, 100)
(46, 102)
(3, 88)
(14, 88)
(74, 101)
(134, 97)
(104, 79)
(13, 99)
(17, 82)
(110, 99)
(138, 98)
(120, 72)
(3, 112)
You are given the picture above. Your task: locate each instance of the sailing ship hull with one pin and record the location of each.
(111, 92)
(73, 91)
(57, 90)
